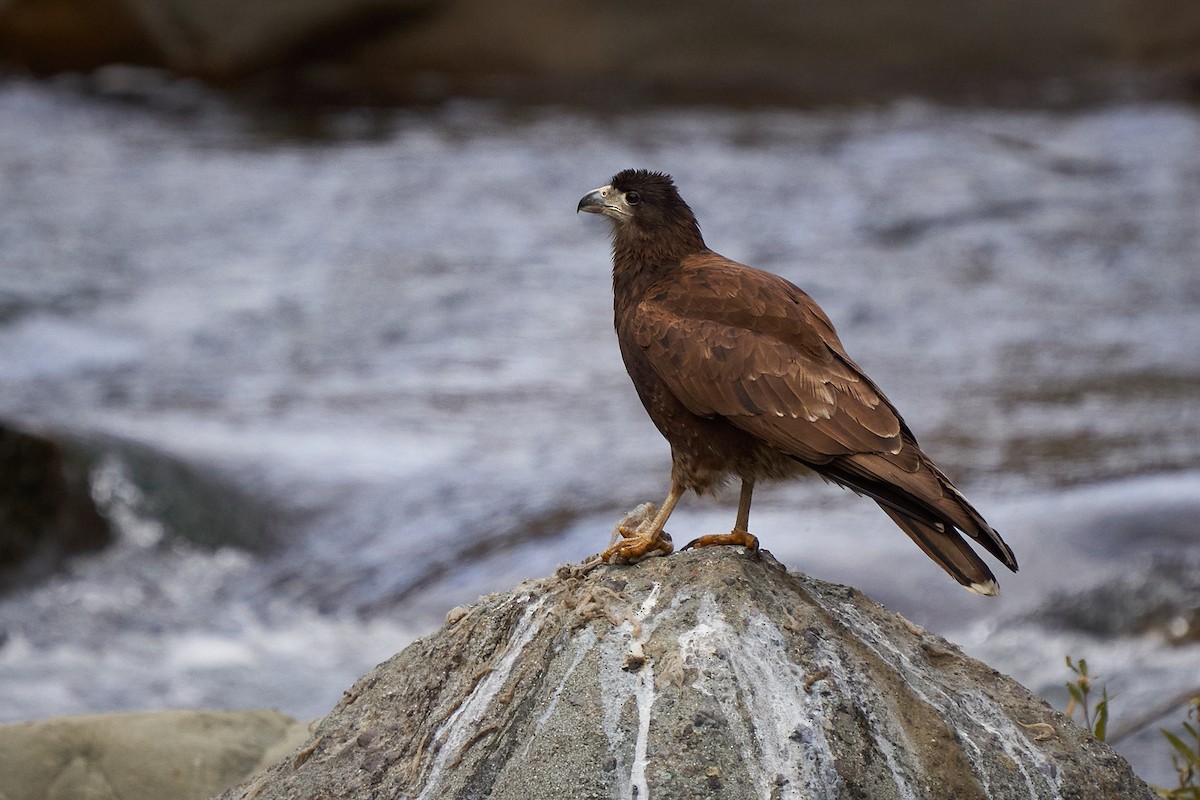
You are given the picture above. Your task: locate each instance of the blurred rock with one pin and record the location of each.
(181, 755)
(770, 50)
(705, 674)
(46, 507)
(1161, 598)
(1164, 32)
(61, 35)
(701, 50)
(223, 38)
(151, 493)
(216, 39)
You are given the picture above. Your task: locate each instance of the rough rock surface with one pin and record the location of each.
(181, 755)
(705, 674)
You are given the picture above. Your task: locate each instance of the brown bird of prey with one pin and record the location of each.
(745, 376)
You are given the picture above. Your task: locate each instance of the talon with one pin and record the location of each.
(641, 532)
(633, 547)
(734, 537)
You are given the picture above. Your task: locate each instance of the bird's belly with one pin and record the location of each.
(706, 451)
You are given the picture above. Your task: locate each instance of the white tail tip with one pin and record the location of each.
(987, 588)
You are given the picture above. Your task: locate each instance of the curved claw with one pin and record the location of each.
(734, 537)
(634, 546)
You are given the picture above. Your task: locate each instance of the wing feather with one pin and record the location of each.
(749, 346)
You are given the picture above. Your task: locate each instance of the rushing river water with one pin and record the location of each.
(338, 384)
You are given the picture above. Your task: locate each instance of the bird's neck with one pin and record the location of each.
(640, 261)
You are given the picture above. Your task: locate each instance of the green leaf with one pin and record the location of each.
(1101, 728)
(1185, 751)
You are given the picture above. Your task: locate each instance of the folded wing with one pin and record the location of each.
(749, 346)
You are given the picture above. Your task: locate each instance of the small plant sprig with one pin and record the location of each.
(1094, 719)
(1186, 758)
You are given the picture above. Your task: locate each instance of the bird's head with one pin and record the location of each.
(644, 204)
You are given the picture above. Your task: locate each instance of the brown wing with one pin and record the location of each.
(736, 342)
(749, 346)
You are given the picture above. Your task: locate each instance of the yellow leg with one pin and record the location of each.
(739, 535)
(646, 538)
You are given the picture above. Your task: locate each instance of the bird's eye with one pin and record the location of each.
(633, 198)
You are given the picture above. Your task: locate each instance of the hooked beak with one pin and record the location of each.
(593, 201)
(606, 200)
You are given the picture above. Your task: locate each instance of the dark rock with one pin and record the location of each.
(58, 35)
(210, 39)
(1162, 597)
(46, 507)
(198, 502)
(773, 51)
(702, 50)
(224, 38)
(786, 688)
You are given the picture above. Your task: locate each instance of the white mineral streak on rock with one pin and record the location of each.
(876, 708)
(618, 685)
(650, 602)
(645, 702)
(456, 732)
(899, 773)
(1016, 745)
(583, 645)
(961, 712)
(645, 694)
(770, 715)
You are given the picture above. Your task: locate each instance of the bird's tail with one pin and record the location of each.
(949, 550)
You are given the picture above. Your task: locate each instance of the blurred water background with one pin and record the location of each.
(337, 375)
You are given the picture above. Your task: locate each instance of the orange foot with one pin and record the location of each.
(735, 536)
(635, 546)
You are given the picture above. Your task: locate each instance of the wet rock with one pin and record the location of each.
(183, 755)
(1162, 597)
(46, 507)
(752, 682)
(194, 501)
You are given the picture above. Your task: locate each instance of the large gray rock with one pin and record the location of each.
(705, 674)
